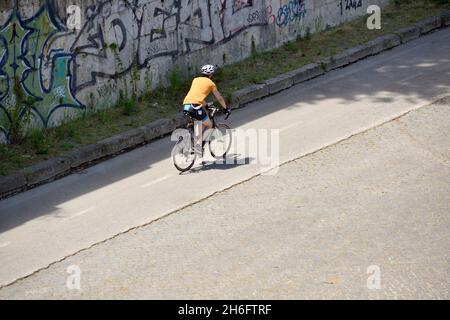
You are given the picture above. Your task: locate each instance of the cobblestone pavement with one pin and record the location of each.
(312, 231)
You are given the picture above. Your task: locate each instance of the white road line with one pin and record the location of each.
(291, 126)
(411, 77)
(145, 186)
(79, 213)
(5, 244)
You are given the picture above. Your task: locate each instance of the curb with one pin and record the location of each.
(85, 156)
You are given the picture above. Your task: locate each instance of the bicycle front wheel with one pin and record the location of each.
(220, 141)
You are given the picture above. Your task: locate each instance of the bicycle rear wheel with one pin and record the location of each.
(183, 156)
(220, 141)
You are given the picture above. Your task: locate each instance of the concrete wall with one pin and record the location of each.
(131, 45)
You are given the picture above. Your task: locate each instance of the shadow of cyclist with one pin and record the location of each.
(230, 162)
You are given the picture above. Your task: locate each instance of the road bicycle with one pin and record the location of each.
(219, 140)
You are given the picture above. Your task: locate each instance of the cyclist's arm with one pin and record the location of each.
(220, 98)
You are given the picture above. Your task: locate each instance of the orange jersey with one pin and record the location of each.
(200, 90)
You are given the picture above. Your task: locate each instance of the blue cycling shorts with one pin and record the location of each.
(196, 111)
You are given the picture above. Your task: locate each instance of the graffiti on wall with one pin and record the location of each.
(23, 44)
(141, 31)
(348, 5)
(240, 4)
(291, 12)
(54, 63)
(288, 13)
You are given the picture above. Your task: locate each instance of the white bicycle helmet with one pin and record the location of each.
(208, 70)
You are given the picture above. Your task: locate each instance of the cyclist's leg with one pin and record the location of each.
(201, 125)
(207, 124)
(207, 130)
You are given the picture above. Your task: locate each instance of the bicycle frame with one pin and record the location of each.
(212, 111)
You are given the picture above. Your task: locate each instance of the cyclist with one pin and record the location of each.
(195, 104)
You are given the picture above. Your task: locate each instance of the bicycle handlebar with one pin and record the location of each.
(210, 105)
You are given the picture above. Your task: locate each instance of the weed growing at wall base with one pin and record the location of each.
(20, 112)
(38, 141)
(176, 79)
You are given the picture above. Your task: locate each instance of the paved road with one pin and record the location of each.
(57, 220)
(377, 200)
